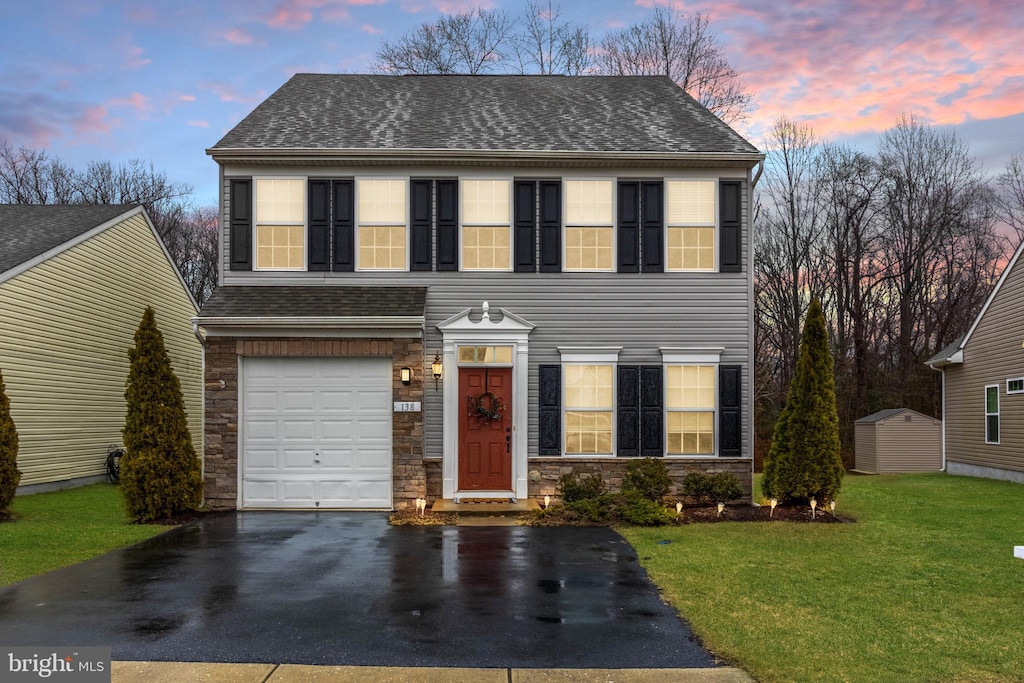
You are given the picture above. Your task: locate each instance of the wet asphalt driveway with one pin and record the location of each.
(345, 588)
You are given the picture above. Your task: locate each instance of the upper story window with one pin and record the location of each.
(690, 409)
(1015, 385)
(381, 219)
(589, 225)
(280, 223)
(691, 224)
(486, 225)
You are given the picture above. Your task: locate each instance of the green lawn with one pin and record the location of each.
(924, 587)
(53, 530)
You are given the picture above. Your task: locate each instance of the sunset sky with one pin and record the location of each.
(162, 81)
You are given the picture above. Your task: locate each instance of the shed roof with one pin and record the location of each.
(462, 112)
(883, 415)
(31, 230)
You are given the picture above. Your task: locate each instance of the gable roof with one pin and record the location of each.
(549, 114)
(883, 415)
(28, 231)
(953, 354)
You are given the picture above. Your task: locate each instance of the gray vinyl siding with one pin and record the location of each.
(992, 355)
(639, 312)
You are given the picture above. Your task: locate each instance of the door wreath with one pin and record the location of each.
(485, 407)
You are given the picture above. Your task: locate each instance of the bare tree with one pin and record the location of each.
(1010, 197)
(683, 47)
(472, 42)
(544, 44)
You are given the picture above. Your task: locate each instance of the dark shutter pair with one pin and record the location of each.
(641, 233)
(423, 202)
(537, 208)
(330, 234)
(640, 410)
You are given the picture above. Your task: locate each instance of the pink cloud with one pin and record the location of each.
(92, 122)
(226, 93)
(371, 29)
(142, 14)
(239, 36)
(199, 124)
(456, 6)
(136, 101)
(187, 98)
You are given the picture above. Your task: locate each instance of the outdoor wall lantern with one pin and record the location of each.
(436, 368)
(406, 375)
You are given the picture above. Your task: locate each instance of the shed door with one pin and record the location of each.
(316, 433)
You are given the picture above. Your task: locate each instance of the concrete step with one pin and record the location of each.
(484, 508)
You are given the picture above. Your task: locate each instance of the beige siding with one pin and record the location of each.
(65, 329)
(864, 445)
(909, 442)
(992, 354)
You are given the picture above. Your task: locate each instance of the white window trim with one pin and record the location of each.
(304, 224)
(715, 226)
(608, 355)
(996, 414)
(1015, 391)
(694, 360)
(613, 226)
(358, 223)
(511, 221)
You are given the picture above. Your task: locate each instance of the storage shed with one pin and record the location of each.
(898, 440)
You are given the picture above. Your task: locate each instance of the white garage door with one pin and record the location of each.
(316, 433)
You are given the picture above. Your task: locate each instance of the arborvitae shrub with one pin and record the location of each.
(720, 487)
(647, 478)
(804, 461)
(9, 474)
(573, 487)
(160, 473)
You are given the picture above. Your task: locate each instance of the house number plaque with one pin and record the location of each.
(407, 406)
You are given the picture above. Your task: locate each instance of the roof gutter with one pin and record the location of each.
(390, 322)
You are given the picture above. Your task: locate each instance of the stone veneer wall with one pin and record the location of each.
(544, 472)
(409, 477)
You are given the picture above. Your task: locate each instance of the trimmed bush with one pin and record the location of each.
(720, 487)
(804, 461)
(160, 473)
(647, 478)
(9, 474)
(639, 511)
(573, 487)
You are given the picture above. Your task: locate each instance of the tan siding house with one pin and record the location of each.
(983, 385)
(74, 281)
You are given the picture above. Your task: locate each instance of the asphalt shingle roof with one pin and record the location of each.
(28, 230)
(518, 113)
(312, 302)
(880, 415)
(945, 353)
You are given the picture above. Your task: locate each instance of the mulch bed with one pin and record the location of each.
(749, 513)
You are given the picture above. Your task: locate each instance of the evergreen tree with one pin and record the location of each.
(160, 473)
(804, 461)
(9, 474)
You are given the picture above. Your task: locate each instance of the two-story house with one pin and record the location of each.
(466, 286)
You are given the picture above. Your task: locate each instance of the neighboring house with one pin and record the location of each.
(74, 282)
(570, 256)
(983, 386)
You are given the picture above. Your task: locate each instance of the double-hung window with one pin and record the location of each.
(589, 408)
(690, 400)
(486, 224)
(381, 217)
(691, 224)
(589, 225)
(992, 413)
(280, 223)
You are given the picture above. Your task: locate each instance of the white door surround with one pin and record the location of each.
(507, 330)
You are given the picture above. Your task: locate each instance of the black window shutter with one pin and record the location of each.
(730, 234)
(653, 234)
(343, 225)
(730, 410)
(629, 227)
(447, 225)
(550, 226)
(421, 208)
(628, 411)
(318, 245)
(550, 416)
(525, 230)
(240, 223)
(652, 411)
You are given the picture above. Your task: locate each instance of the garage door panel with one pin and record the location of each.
(298, 409)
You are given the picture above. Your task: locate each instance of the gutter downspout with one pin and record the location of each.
(757, 176)
(943, 392)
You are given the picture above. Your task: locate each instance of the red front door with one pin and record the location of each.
(485, 433)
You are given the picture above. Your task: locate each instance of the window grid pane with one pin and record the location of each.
(280, 200)
(691, 202)
(485, 354)
(588, 202)
(589, 249)
(691, 433)
(690, 387)
(381, 201)
(485, 202)
(382, 247)
(691, 248)
(279, 246)
(589, 386)
(485, 248)
(588, 433)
